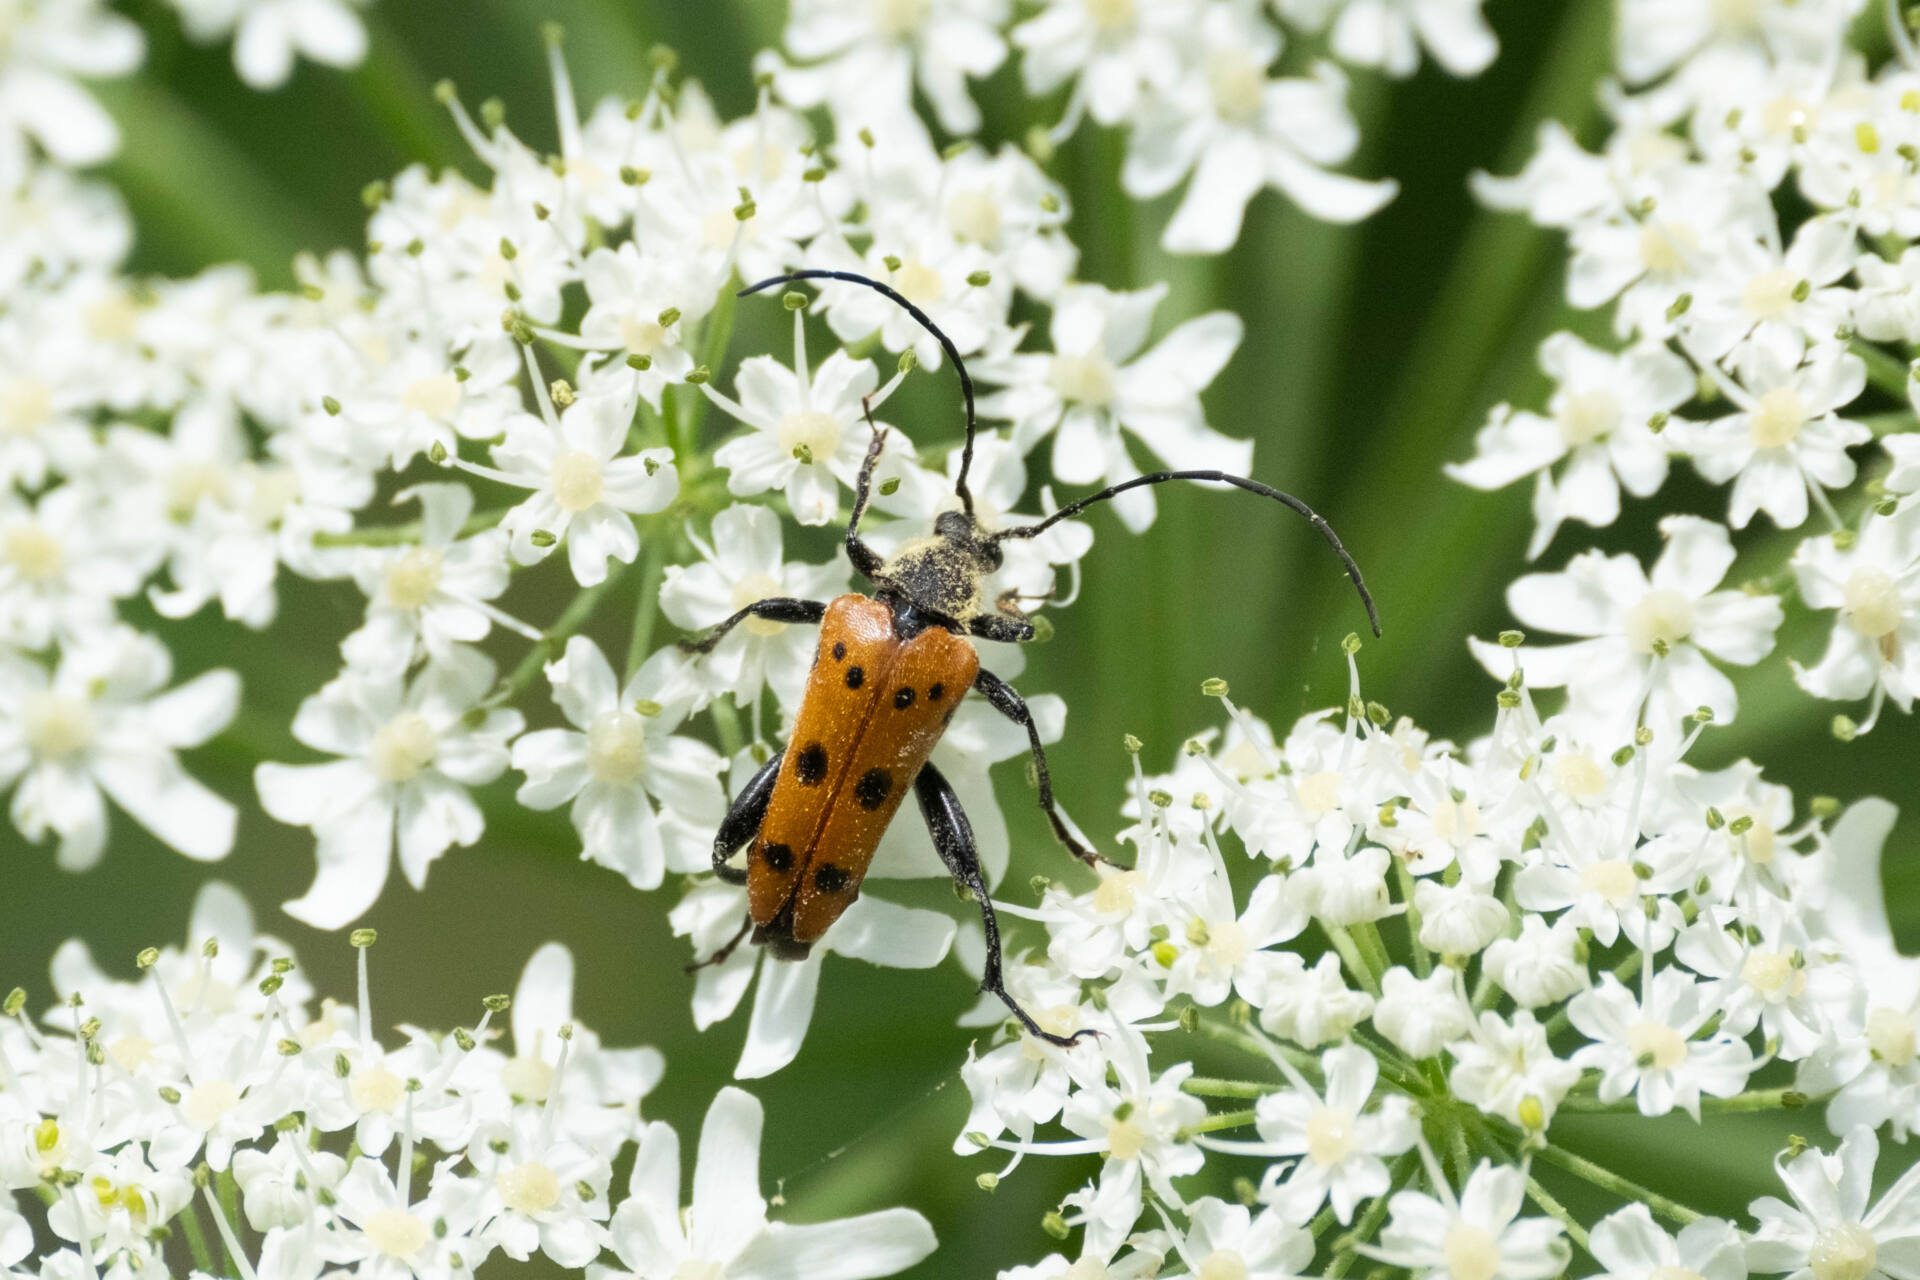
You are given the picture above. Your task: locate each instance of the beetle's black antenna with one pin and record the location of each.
(1251, 486)
(946, 345)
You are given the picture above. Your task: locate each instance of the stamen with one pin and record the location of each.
(550, 1112)
(540, 394)
(231, 1241)
(173, 1021)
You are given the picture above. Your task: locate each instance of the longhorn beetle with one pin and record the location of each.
(890, 669)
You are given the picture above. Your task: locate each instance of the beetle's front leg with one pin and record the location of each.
(1011, 705)
(953, 840)
(772, 609)
(743, 820)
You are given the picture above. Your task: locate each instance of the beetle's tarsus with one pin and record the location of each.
(720, 956)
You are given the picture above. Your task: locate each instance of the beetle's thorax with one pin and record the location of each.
(941, 573)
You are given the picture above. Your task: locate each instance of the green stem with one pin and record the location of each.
(1462, 1154)
(230, 1206)
(1210, 1087)
(1544, 1198)
(1304, 1062)
(1422, 958)
(1607, 1180)
(1373, 949)
(1884, 370)
(1215, 1123)
(647, 609)
(726, 723)
(189, 1220)
(1350, 956)
(1363, 1230)
(1752, 1100)
(571, 620)
(398, 535)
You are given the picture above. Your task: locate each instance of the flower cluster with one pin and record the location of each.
(214, 1108)
(1749, 222)
(1554, 918)
(1424, 952)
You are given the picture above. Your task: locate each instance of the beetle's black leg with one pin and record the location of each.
(1006, 627)
(720, 956)
(773, 609)
(953, 839)
(865, 559)
(742, 822)
(1014, 707)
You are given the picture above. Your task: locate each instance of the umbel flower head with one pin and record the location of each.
(518, 426)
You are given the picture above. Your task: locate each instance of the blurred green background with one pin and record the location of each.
(1372, 355)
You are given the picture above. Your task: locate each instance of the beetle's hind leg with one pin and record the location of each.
(720, 956)
(743, 820)
(953, 839)
(773, 609)
(1011, 705)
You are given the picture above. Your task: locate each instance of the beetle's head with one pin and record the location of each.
(941, 573)
(963, 533)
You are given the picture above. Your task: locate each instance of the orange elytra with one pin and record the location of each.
(888, 673)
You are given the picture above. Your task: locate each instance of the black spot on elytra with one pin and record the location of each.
(778, 857)
(839, 651)
(936, 691)
(902, 699)
(810, 766)
(948, 718)
(855, 677)
(873, 788)
(830, 879)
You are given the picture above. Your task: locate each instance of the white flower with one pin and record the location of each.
(1754, 307)
(1338, 1139)
(1875, 644)
(1479, 1236)
(49, 43)
(809, 434)
(1139, 1122)
(434, 593)
(1646, 632)
(1388, 33)
(585, 485)
(410, 754)
(1541, 966)
(621, 755)
(1421, 1016)
(1097, 382)
(1786, 440)
(1631, 1247)
(1508, 1070)
(1647, 1047)
(1830, 1232)
(1227, 1240)
(269, 33)
(742, 565)
(1113, 50)
(871, 929)
(872, 55)
(1458, 919)
(1309, 1006)
(1236, 131)
(100, 723)
(543, 1192)
(1600, 420)
(724, 1234)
